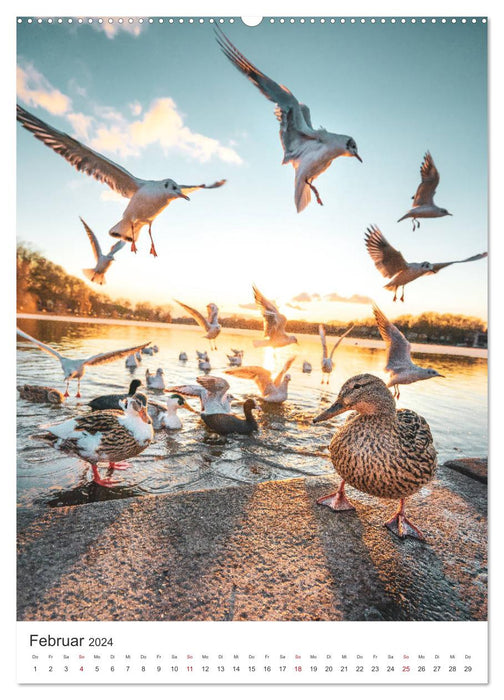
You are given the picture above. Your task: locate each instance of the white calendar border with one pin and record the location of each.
(317, 8)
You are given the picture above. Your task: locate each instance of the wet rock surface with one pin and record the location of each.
(258, 552)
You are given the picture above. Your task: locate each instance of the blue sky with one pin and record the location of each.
(163, 101)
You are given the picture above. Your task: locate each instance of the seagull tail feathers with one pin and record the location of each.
(126, 230)
(302, 195)
(93, 276)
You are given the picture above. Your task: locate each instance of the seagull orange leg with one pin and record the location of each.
(78, 394)
(66, 394)
(152, 248)
(401, 526)
(119, 465)
(315, 192)
(337, 500)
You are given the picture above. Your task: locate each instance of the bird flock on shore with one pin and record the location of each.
(380, 450)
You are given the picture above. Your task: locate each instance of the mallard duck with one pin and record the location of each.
(211, 391)
(227, 423)
(327, 360)
(272, 390)
(379, 450)
(210, 324)
(40, 394)
(155, 381)
(114, 400)
(164, 415)
(105, 436)
(74, 369)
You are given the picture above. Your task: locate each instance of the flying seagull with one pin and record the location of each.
(210, 324)
(399, 365)
(74, 369)
(272, 390)
(423, 201)
(211, 391)
(327, 360)
(103, 262)
(274, 324)
(391, 263)
(311, 151)
(147, 198)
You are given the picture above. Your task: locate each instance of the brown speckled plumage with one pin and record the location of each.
(379, 450)
(40, 394)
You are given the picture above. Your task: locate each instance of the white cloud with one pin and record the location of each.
(109, 130)
(34, 89)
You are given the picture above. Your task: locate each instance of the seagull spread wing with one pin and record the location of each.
(294, 118)
(322, 334)
(93, 240)
(341, 338)
(430, 180)
(279, 378)
(81, 157)
(259, 375)
(42, 346)
(398, 348)
(186, 189)
(274, 321)
(214, 385)
(104, 357)
(199, 318)
(213, 314)
(188, 390)
(439, 266)
(386, 258)
(117, 247)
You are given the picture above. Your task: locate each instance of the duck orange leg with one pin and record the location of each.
(401, 526)
(337, 500)
(107, 481)
(119, 465)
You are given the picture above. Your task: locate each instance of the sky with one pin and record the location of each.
(163, 101)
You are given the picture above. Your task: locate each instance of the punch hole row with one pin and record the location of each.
(231, 20)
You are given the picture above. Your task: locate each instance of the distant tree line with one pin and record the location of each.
(43, 286)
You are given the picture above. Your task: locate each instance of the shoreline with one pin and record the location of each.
(427, 348)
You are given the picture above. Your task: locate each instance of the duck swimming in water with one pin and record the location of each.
(164, 415)
(100, 403)
(382, 451)
(40, 394)
(227, 423)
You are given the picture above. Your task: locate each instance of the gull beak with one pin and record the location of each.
(184, 196)
(330, 412)
(441, 375)
(358, 157)
(189, 408)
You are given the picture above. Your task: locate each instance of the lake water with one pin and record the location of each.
(287, 446)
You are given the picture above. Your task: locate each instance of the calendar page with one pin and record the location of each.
(252, 429)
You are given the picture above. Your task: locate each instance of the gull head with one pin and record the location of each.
(173, 190)
(292, 339)
(351, 149)
(429, 372)
(427, 266)
(444, 212)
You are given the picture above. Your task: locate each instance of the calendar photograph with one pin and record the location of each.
(252, 324)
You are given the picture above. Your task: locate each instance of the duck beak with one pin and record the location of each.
(330, 412)
(189, 408)
(356, 155)
(144, 415)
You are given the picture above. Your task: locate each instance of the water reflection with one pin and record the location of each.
(288, 445)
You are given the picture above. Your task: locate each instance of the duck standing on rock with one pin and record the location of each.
(227, 423)
(105, 436)
(379, 450)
